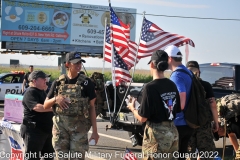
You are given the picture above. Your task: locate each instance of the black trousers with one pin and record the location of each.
(185, 133)
(37, 143)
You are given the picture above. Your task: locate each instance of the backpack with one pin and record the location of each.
(101, 101)
(197, 108)
(230, 106)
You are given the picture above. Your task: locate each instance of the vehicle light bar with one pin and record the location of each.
(20, 72)
(215, 64)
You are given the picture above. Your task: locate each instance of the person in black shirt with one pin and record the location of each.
(36, 129)
(202, 138)
(70, 96)
(233, 132)
(159, 105)
(25, 84)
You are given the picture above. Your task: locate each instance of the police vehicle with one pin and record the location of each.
(11, 83)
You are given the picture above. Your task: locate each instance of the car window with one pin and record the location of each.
(219, 77)
(7, 79)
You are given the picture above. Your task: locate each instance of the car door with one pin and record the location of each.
(10, 85)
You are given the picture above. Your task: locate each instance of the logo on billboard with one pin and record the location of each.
(42, 17)
(126, 18)
(13, 14)
(60, 19)
(85, 18)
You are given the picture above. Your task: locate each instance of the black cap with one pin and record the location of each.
(74, 57)
(159, 55)
(192, 64)
(37, 74)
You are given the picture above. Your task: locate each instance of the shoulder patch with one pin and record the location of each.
(81, 77)
(61, 77)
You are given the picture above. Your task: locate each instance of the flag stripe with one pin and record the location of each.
(126, 29)
(108, 46)
(130, 58)
(118, 31)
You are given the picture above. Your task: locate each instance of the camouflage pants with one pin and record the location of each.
(70, 137)
(160, 141)
(202, 139)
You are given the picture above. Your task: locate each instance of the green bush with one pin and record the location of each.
(140, 76)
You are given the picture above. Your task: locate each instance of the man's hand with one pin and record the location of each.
(215, 127)
(62, 102)
(131, 104)
(94, 136)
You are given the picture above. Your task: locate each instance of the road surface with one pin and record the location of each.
(112, 143)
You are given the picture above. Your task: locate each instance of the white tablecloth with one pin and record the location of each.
(11, 143)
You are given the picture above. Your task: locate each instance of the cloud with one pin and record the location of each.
(164, 3)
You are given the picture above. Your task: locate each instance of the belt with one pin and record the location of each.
(29, 123)
(161, 123)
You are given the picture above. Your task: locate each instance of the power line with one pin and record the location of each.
(220, 19)
(204, 18)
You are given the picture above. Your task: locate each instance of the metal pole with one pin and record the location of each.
(114, 79)
(85, 69)
(105, 26)
(113, 68)
(104, 67)
(133, 70)
(138, 46)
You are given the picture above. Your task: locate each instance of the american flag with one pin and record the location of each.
(119, 37)
(128, 54)
(154, 38)
(129, 59)
(126, 29)
(122, 50)
(108, 46)
(121, 70)
(129, 155)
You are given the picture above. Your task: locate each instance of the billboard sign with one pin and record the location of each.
(58, 23)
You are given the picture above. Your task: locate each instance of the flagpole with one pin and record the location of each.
(186, 53)
(105, 31)
(113, 68)
(104, 41)
(133, 70)
(138, 46)
(113, 78)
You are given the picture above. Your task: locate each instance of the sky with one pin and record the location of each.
(215, 40)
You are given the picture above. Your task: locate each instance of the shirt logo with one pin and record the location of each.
(86, 82)
(169, 105)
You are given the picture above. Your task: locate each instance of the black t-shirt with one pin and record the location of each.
(160, 96)
(234, 126)
(208, 89)
(88, 87)
(32, 97)
(26, 79)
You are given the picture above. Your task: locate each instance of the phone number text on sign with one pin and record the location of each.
(36, 28)
(94, 31)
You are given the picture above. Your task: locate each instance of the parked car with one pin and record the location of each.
(11, 83)
(224, 77)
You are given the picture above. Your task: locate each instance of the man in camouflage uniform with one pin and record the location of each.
(229, 109)
(159, 105)
(202, 138)
(72, 98)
